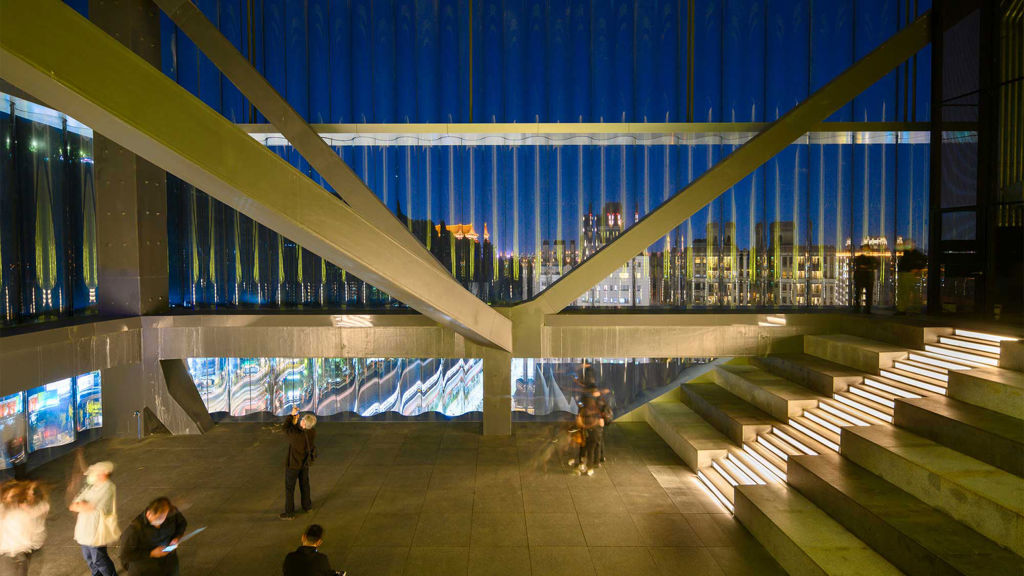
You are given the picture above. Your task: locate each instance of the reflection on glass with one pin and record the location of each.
(338, 386)
(12, 429)
(89, 401)
(51, 415)
(47, 214)
(550, 387)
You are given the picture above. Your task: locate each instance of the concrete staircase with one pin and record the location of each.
(957, 465)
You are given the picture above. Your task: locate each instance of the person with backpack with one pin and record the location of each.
(302, 452)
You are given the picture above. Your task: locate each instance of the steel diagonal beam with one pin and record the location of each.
(291, 125)
(51, 52)
(735, 167)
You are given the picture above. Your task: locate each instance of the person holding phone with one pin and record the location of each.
(301, 453)
(144, 544)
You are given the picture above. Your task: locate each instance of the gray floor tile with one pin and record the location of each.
(561, 561)
(443, 529)
(635, 561)
(438, 561)
(499, 561)
(554, 530)
(665, 530)
(697, 561)
(498, 529)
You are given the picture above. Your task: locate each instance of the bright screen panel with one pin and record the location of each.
(12, 429)
(51, 415)
(89, 401)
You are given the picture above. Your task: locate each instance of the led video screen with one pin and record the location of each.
(12, 429)
(89, 401)
(51, 415)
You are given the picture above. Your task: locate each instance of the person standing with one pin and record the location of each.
(143, 542)
(864, 267)
(301, 452)
(307, 560)
(96, 526)
(23, 509)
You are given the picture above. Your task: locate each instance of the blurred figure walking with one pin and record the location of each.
(307, 560)
(96, 527)
(23, 509)
(302, 452)
(144, 541)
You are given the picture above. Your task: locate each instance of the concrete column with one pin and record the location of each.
(497, 389)
(131, 199)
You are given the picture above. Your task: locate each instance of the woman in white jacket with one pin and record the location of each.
(23, 509)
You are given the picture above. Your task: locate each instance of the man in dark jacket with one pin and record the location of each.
(143, 542)
(307, 560)
(301, 448)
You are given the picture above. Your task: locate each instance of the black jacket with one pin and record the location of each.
(141, 537)
(307, 561)
(299, 443)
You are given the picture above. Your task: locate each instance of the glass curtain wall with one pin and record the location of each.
(509, 219)
(342, 388)
(48, 250)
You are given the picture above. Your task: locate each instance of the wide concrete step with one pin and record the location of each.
(775, 396)
(692, 438)
(996, 389)
(853, 351)
(820, 375)
(1011, 355)
(913, 536)
(985, 498)
(802, 538)
(729, 414)
(991, 437)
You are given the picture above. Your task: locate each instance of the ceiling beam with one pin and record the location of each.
(51, 52)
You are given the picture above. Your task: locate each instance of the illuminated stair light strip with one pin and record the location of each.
(914, 369)
(793, 441)
(910, 381)
(938, 362)
(983, 336)
(735, 472)
(771, 448)
(873, 397)
(814, 435)
(759, 473)
(961, 355)
(721, 470)
(823, 423)
(742, 468)
(865, 409)
(777, 320)
(843, 415)
(771, 468)
(890, 389)
(715, 493)
(969, 345)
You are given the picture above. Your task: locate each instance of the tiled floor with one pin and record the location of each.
(422, 498)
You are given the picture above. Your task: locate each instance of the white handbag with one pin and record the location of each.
(108, 532)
